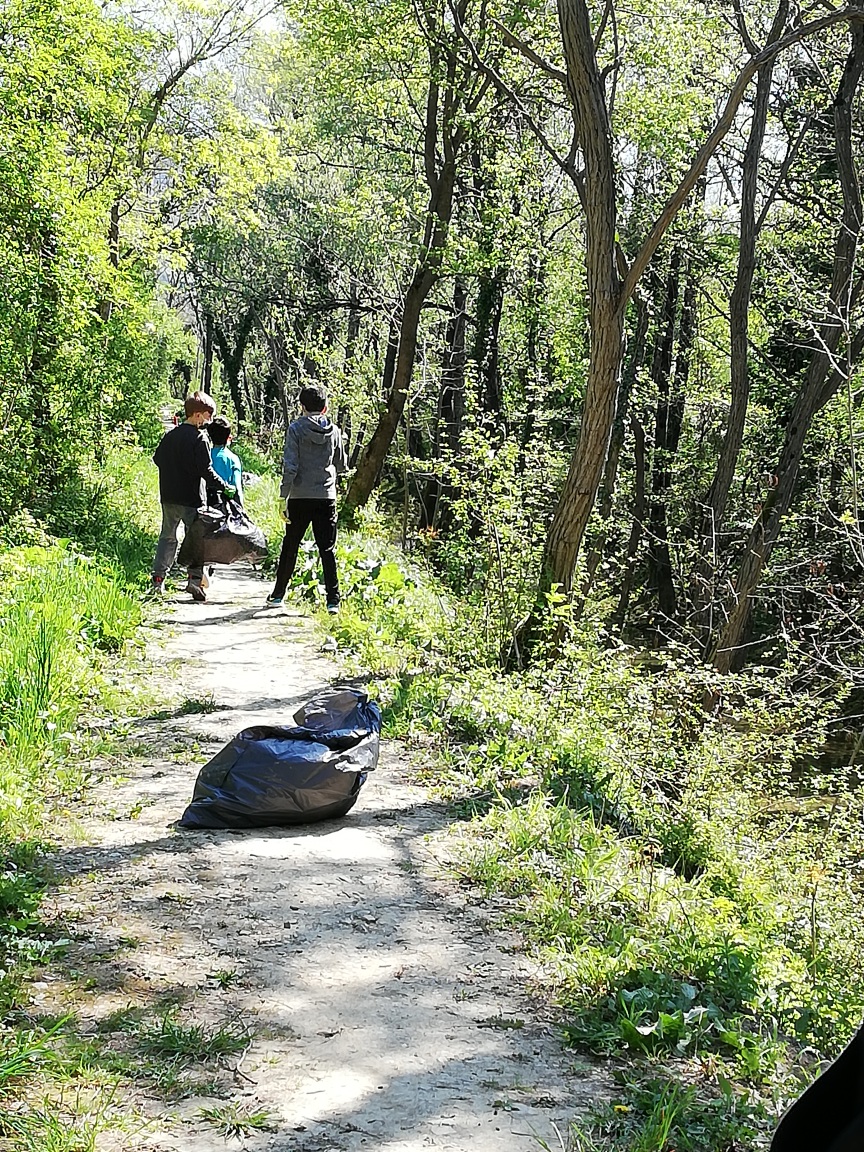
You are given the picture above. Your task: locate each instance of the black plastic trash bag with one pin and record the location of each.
(222, 535)
(829, 1117)
(313, 771)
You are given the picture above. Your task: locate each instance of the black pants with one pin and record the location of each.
(321, 514)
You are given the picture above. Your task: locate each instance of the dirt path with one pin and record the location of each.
(384, 1013)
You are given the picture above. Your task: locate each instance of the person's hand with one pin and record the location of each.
(285, 516)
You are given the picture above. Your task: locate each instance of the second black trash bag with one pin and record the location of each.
(268, 776)
(222, 536)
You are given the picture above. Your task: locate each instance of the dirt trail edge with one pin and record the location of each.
(384, 1012)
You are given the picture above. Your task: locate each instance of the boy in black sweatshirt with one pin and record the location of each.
(185, 474)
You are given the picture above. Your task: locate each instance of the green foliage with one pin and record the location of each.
(62, 613)
(678, 875)
(662, 1115)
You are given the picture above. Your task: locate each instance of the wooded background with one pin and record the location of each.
(583, 285)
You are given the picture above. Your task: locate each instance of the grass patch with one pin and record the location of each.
(62, 615)
(236, 1121)
(170, 1039)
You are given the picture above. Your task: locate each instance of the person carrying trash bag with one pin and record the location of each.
(314, 456)
(185, 473)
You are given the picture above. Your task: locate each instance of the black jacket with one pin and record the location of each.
(185, 470)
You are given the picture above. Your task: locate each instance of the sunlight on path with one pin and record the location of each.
(386, 1014)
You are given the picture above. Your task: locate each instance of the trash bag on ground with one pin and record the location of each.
(294, 775)
(222, 535)
(829, 1116)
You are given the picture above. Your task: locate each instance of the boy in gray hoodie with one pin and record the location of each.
(314, 456)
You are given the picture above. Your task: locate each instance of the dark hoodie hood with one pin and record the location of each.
(317, 429)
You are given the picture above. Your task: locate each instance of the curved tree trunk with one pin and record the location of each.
(373, 456)
(606, 307)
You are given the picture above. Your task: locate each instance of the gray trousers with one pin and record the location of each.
(173, 515)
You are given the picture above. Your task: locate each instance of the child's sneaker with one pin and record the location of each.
(157, 586)
(333, 609)
(274, 601)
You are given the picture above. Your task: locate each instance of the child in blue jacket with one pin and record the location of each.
(225, 464)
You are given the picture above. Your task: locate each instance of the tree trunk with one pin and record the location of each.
(451, 410)
(714, 508)
(232, 358)
(490, 301)
(822, 380)
(640, 508)
(207, 374)
(528, 370)
(373, 456)
(613, 457)
(606, 306)
(667, 431)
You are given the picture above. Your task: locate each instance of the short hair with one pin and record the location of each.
(219, 430)
(313, 398)
(199, 402)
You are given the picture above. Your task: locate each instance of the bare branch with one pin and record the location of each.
(727, 118)
(566, 164)
(513, 41)
(749, 43)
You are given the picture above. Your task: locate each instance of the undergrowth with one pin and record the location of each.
(66, 611)
(690, 882)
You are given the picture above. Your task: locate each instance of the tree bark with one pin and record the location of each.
(373, 456)
(823, 377)
(668, 417)
(613, 457)
(449, 417)
(232, 357)
(640, 510)
(714, 507)
(606, 304)
(441, 134)
(490, 301)
(207, 374)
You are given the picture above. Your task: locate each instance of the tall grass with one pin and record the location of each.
(61, 614)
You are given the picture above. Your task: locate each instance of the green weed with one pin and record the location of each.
(198, 705)
(225, 977)
(682, 901)
(238, 1120)
(170, 1039)
(60, 613)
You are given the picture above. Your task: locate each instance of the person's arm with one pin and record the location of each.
(290, 463)
(237, 476)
